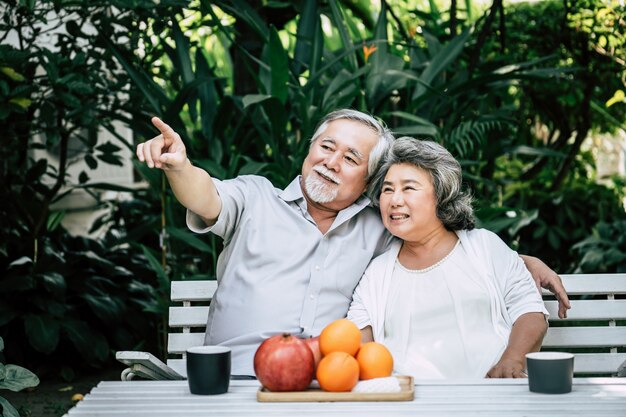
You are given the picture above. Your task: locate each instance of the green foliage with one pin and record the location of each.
(602, 23)
(434, 84)
(549, 224)
(14, 378)
(77, 300)
(62, 298)
(559, 115)
(604, 250)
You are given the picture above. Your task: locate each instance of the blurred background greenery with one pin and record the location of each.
(526, 95)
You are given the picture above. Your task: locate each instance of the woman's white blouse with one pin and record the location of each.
(443, 341)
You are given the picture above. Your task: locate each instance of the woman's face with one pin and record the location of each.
(407, 202)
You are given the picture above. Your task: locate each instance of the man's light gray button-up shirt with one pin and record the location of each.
(278, 272)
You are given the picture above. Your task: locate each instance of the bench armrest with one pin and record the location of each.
(145, 365)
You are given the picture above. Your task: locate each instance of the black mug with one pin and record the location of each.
(550, 372)
(208, 369)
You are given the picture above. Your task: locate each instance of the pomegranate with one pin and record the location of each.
(314, 344)
(284, 363)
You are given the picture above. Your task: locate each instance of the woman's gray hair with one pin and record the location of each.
(454, 206)
(385, 138)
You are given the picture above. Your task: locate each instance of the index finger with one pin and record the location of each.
(163, 127)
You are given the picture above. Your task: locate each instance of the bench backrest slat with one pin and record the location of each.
(580, 337)
(592, 284)
(590, 310)
(178, 343)
(193, 290)
(188, 316)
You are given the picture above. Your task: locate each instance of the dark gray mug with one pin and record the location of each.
(208, 369)
(550, 372)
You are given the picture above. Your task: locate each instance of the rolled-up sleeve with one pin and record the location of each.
(521, 295)
(233, 194)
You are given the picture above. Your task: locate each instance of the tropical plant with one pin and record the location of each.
(77, 300)
(62, 296)
(605, 250)
(14, 378)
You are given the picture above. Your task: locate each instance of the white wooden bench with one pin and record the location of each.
(595, 327)
(596, 321)
(187, 323)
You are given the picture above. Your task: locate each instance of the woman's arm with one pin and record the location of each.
(366, 334)
(526, 336)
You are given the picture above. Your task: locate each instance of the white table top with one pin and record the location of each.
(485, 397)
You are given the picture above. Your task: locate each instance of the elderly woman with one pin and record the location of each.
(448, 300)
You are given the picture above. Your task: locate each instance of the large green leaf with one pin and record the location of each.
(92, 345)
(252, 167)
(277, 116)
(379, 59)
(42, 332)
(341, 89)
(95, 260)
(7, 314)
(104, 306)
(309, 40)
(53, 282)
(7, 409)
(601, 110)
(416, 130)
(279, 66)
(17, 378)
(180, 55)
(17, 283)
(183, 58)
(151, 91)
(361, 9)
(380, 85)
(155, 265)
(440, 61)
(207, 94)
(54, 220)
(188, 238)
(24, 260)
(250, 99)
(533, 151)
(183, 97)
(339, 22)
(243, 10)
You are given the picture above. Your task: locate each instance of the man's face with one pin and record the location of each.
(335, 170)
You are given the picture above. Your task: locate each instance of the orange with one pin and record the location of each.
(340, 336)
(338, 372)
(375, 361)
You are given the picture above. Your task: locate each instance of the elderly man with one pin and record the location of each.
(291, 257)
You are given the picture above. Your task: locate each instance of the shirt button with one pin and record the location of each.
(317, 267)
(312, 297)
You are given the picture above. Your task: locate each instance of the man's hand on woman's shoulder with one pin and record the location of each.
(546, 278)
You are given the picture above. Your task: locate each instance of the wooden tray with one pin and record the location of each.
(316, 395)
